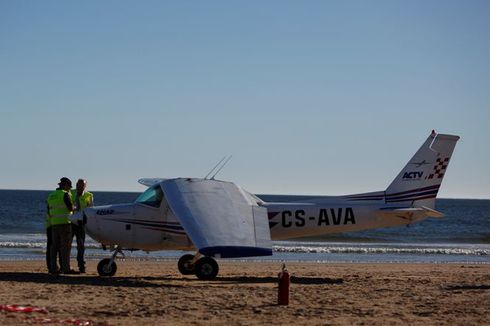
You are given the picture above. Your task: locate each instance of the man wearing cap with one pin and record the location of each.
(60, 207)
(82, 199)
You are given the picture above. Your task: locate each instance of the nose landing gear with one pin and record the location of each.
(108, 266)
(205, 268)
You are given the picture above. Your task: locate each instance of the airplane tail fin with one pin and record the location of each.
(418, 182)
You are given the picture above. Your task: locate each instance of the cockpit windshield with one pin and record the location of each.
(152, 196)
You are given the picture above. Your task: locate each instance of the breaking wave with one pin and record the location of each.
(36, 245)
(33, 241)
(38, 241)
(382, 250)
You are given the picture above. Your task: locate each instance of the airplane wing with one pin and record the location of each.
(410, 213)
(150, 181)
(220, 218)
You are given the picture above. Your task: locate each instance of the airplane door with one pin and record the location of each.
(148, 218)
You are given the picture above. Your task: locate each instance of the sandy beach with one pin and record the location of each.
(153, 292)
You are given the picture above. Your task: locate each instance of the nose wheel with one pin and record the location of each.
(108, 266)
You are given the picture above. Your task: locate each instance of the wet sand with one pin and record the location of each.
(153, 292)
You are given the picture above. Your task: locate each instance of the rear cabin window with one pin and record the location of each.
(152, 197)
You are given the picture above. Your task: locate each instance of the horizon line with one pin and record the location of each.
(298, 195)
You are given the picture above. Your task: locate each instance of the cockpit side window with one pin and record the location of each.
(152, 196)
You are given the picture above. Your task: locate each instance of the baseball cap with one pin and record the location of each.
(64, 180)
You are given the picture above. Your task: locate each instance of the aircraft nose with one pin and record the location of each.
(89, 220)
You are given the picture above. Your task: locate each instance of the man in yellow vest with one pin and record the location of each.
(60, 207)
(82, 199)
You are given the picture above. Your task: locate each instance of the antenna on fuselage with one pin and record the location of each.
(207, 175)
(222, 166)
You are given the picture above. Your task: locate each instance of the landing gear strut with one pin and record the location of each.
(108, 266)
(205, 268)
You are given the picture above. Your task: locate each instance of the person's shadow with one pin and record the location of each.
(32, 277)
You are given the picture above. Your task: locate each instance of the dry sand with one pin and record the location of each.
(153, 292)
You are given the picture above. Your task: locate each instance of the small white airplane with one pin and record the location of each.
(222, 220)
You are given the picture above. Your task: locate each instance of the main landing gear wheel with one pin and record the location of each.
(206, 268)
(186, 265)
(107, 267)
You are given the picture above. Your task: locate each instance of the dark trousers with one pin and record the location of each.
(60, 244)
(49, 242)
(78, 231)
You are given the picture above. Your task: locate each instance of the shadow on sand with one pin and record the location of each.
(467, 287)
(27, 277)
(148, 281)
(294, 280)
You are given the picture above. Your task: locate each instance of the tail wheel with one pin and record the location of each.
(185, 265)
(106, 268)
(206, 268)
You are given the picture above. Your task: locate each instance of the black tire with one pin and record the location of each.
(185, 266)
(105, 268)
(206, 268)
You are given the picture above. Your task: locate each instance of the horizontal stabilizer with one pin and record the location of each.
(150, 181)
(432, 212)
(219, 217)
(410, 213)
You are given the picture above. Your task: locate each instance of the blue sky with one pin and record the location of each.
(310, 97)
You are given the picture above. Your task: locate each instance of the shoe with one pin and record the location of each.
(82, 270)
(71, 272)
(55, 273)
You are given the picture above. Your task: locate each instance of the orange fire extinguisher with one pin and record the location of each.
(283, 288)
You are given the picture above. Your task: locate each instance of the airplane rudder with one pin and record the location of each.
(422, 176)
(413, 173)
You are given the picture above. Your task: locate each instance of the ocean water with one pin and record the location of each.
(462, 236)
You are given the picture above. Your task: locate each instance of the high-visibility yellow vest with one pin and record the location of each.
(58, 212)
(86, 199)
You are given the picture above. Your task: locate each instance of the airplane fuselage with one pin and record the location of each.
(222, 220)
(295, 220)
(148, 228)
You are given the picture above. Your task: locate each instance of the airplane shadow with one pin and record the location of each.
(149, 281)
(294, 280)
(257, 279)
